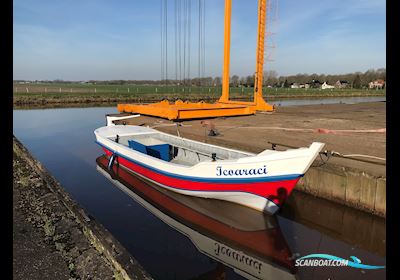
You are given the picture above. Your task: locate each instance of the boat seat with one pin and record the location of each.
(152, 147)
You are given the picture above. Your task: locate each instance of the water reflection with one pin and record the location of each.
(248, 241)
(352, 226)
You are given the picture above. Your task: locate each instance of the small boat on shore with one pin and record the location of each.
(248, 241)
(260, 181)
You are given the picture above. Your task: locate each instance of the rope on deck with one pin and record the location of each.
(170, 124)
(315, 130)
(356, 155)
(328, 154)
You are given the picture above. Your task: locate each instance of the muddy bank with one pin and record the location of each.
(62, 105)
(53, 238)
(59, 100)
(85, 99)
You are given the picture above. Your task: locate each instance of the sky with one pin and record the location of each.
(112, 40)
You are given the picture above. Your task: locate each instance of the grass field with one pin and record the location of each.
(87, 93)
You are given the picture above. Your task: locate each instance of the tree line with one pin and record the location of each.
(271, 78)
(355, 79)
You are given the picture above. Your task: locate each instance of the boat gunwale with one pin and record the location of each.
(184, 172)
(154, 131)
(306, 150)
(178, 175)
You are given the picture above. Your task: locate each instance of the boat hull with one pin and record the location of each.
(265, 196)
(260, 181)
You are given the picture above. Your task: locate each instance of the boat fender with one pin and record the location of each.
(111, 161)
(117, 139)
(214, 156)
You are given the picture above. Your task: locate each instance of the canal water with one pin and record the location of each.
(204, 240)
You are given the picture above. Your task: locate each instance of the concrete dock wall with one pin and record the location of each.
(346, 186)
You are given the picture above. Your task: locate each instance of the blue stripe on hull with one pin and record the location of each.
(208, 180)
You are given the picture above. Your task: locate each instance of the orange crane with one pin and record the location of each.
(258, 103)
(180, 110)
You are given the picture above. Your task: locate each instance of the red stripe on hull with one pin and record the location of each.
(276, 192)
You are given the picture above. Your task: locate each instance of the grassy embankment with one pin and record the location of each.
(41, 94)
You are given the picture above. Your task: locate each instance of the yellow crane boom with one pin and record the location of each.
(180, 110)
(258, 81)
(258, 102)
(227, 49)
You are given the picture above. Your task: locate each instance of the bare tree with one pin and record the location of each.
(235, 80)
(217, 81)
(270, 77)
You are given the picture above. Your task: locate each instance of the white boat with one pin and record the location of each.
(249, 242)
(260, 181)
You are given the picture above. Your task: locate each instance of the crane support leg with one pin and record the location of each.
(261, 105)
(258, 104)
(227, 46)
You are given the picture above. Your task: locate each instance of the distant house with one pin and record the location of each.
(326, 86)
(294, 85)
(377, 84)
(314, 84)
(306, 85)
(302, 86)
(341, 84)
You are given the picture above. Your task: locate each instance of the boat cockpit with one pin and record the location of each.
(176, 149)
